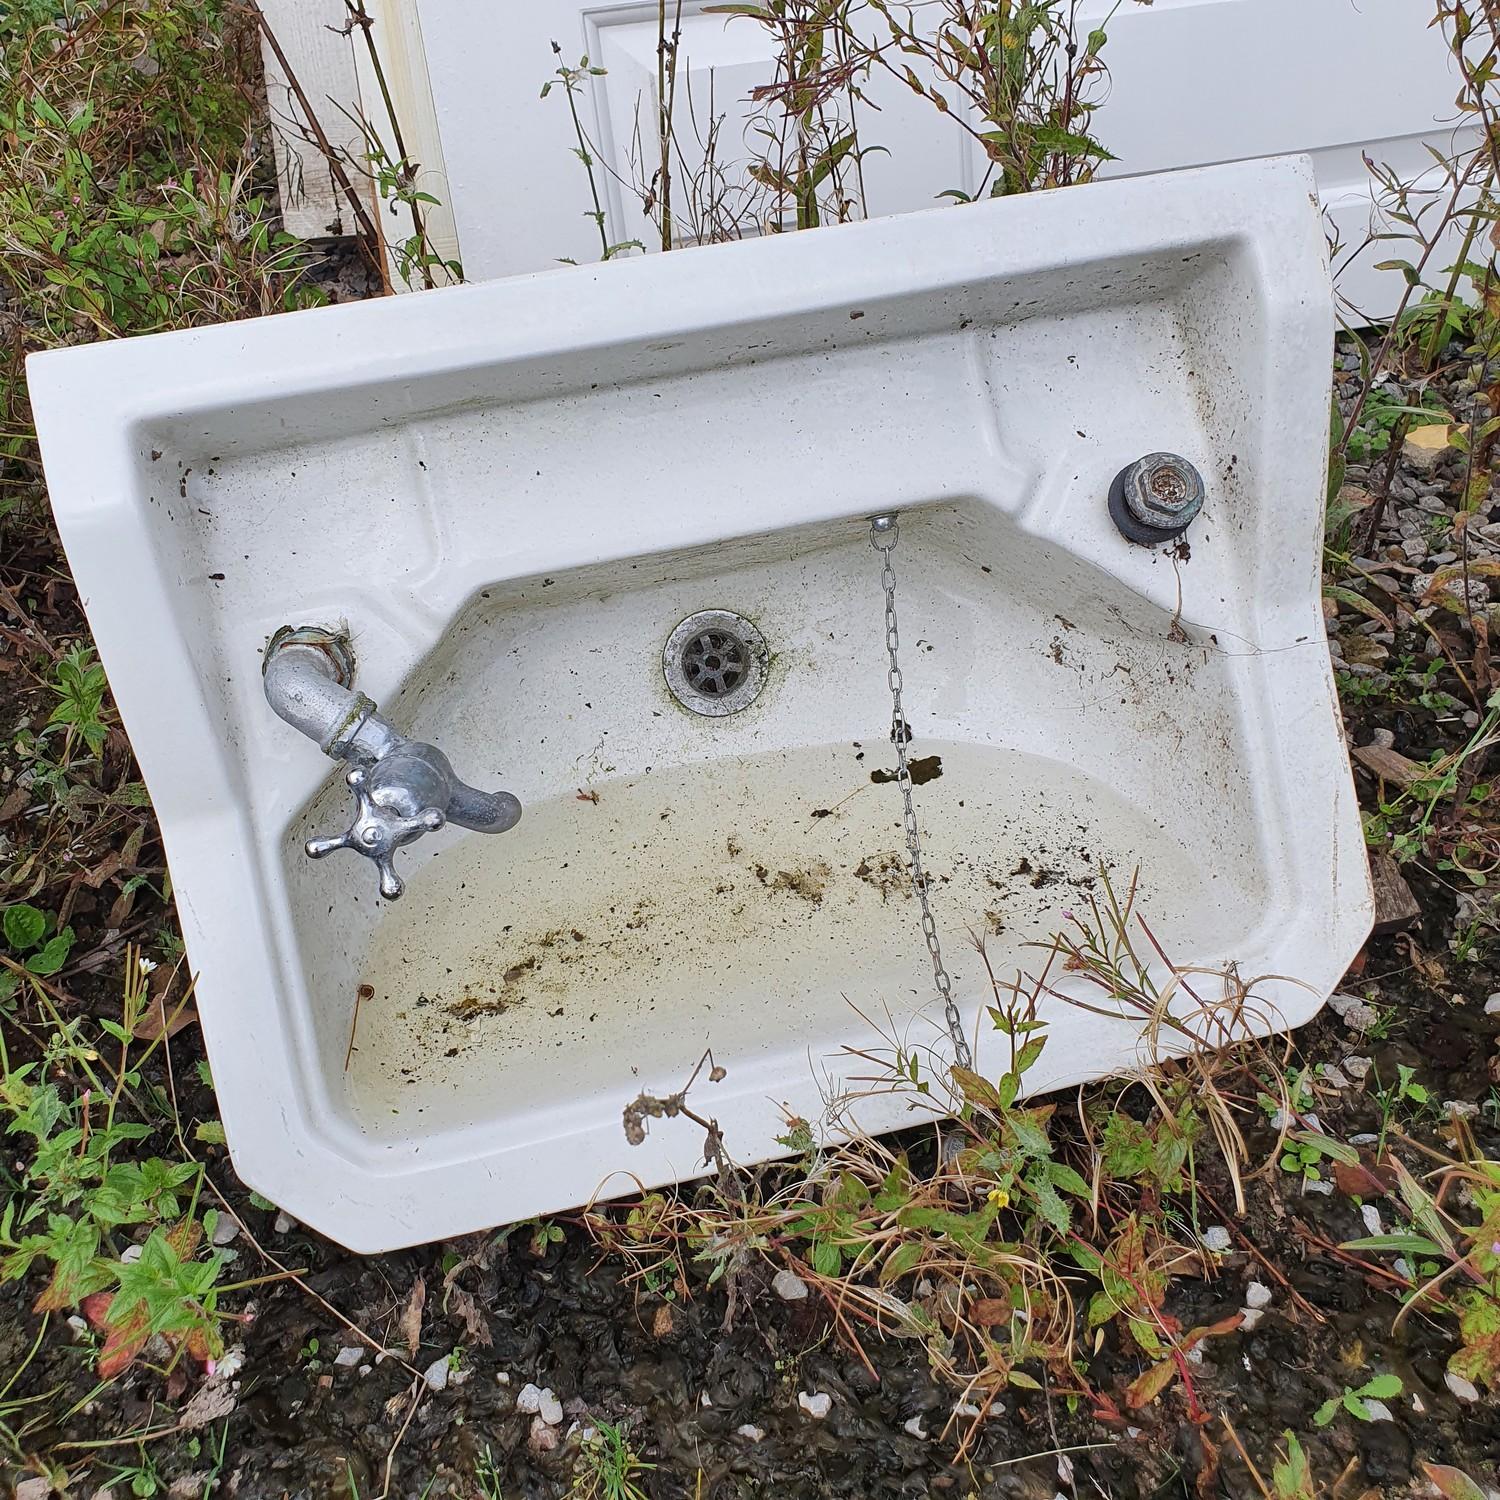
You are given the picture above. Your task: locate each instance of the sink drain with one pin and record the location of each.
(715, 662)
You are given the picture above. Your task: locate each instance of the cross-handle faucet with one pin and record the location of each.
(402, 788)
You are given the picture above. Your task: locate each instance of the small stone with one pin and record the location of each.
(965, 1409)
(1334, 1076)
(751, 1431)
(1425, 445)
(1364, 1138)
(1465, 1390)
(529, 1399)
(436, 1374)
(1217, 1239)
(549, 1408)
(33, 1489)
(1492, 1005)
(1319, 1187)
(542, 1438)
(130, 1254)
(1250, 1317)
(285, 1223)
(79, 1325)
(1371, 1215)
(913, 1427)
(1465, 1109)
(817, 1405)
(705, 1399)
(1356, 1014)
(502, 1377)
(225, 1230)
(346, 1358)
(1358, 1068)
(1258, 1295)
(789, 1286)
(1378, 1410)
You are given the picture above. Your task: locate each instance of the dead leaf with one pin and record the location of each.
(1362, 1180)
(210, 1403)
(464, 1305)
(14, 803)
(158, 1018)
(410, 1325)
(1453, 1484)
(991, 1312)
(1145, 1388)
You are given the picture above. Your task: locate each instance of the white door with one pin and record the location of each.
(1192, 82)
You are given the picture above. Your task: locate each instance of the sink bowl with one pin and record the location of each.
(515, 493)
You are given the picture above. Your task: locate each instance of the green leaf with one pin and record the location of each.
(902, 1261)
(54, 955)
(1402, 1244)
(24, 926)
(1382, 1387)
(826, 1259)
(1356, 1408)
(975, 1089)
(1325, 1413)
(1291, 1477)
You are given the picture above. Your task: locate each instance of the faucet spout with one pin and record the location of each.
(402, 788)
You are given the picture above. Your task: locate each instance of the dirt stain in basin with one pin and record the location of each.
(924, 769)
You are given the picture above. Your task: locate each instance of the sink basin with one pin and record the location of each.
(514, 493)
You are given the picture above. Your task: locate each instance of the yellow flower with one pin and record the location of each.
(999, 1197)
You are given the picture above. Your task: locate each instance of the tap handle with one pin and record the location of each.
(382, 824)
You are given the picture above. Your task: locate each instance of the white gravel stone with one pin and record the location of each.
(1250, 1317)
(913, 1427)
(285, 1223)
(346, 1358)
(751, 1431)
(436, 1374)
(1258, 1295)
(817, 1405)
(130, 1254)
(1465, 1390)
(1492, 1005)
(1371, 1215)
(1217, 1238)
(550, 1409)
(1465, 1109)
(1357, 1068)
(543, 1438)
(1356, 1014)
(35, 1488)
(225, 1230)
(529, 1399)
(1379, 1411)
(789, 1286)
(1321, 1188)
(1364, 1138)
(965, 1409)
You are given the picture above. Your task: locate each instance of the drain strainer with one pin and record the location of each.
(715, 662)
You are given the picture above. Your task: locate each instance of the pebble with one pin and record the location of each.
(1250, 1317)
(1217, 1238)
(817, 1405)
(1356, 1014)
(789, 1286)
(1321, 1188)
(436, 1374)
(913, 1427)
(35, 1488)
(285, 1223)
(542, 1437)
(1465, 1390)
(1364, 1138)
(1465, 1109)
(1358, 1068)
(965, 1409)
(1258, 1295)
(1371, 1215)
(225, 1230)
(751, 1431)
(1379, 1411)
(540, 1401)
(1492, 1005)
(130, 1254)
(1334, 1076)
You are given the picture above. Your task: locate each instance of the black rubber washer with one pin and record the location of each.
(1133, 530)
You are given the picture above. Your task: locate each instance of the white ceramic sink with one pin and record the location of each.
(514, 492)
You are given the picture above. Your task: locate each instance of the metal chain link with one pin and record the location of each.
(884, 534)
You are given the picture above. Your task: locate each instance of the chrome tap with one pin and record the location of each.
(402, 788)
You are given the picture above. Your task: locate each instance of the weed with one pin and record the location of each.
(1381, 1388)
(608, 1466)
(36, 940)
